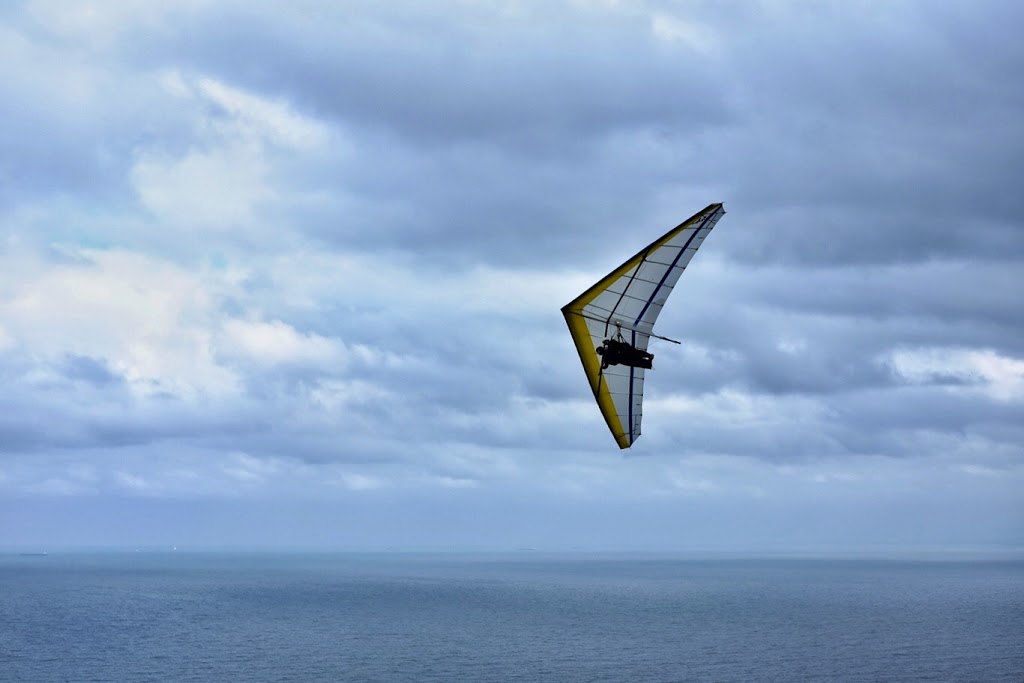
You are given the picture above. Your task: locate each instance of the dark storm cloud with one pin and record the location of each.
(489, 134)
(434, 78)
(948, 291)
(474, 136)
(883, 138)
(892, 132)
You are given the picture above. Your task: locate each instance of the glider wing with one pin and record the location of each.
(627, 301)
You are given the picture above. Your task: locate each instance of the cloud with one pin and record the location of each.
(224, 178)
(144, 319)
(101, 22)
(698, 37)
(258, 117)
(999, 377)
(253, 253)
(276, 342)
(218, 189)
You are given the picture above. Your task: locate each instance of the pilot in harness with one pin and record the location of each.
(618, 351)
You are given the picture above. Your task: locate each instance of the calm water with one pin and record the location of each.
(525, 617)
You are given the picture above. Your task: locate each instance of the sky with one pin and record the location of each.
(290, 275)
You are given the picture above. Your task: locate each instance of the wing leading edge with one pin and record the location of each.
(627, 301)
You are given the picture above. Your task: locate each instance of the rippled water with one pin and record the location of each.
(517, 617)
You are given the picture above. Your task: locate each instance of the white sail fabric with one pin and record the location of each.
(626, 303)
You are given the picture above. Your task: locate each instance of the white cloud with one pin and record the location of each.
(226, 173)
(64, 479)
(258, 117)
(1001, 377)
(172, 81)
(977, 470)
(6, 340)
(56, 486)
(791, 346)
(334, 395)
(278, 342)
(149, 320)
(736, 408)
(132, 482)
(696, 36)
(358, 482)
(252, 471)
(689, 483)
(217, 189)
(100, 22)
(452, 482)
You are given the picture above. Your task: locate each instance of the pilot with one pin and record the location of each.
(614, 352)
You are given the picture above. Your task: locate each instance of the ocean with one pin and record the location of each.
(525, 616)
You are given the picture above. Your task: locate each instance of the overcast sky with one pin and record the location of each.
(290, 273)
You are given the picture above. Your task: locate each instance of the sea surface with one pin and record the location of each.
(204, 616)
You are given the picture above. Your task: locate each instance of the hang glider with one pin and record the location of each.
(613, 322)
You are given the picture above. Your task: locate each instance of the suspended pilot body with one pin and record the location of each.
(616, 352)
